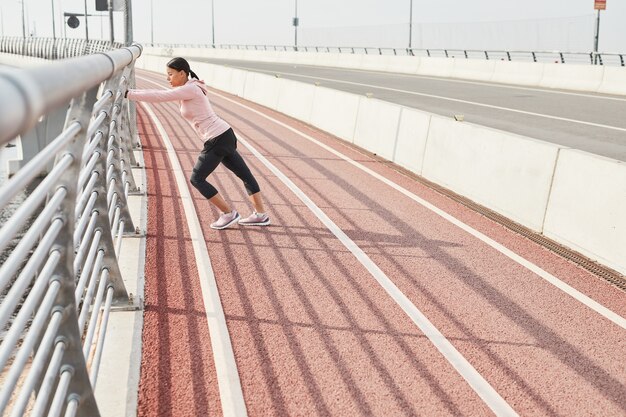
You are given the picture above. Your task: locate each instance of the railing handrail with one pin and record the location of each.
(589, 57)
(63, 271)
(27, 94)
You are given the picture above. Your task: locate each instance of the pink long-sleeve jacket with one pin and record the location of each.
(194, 107)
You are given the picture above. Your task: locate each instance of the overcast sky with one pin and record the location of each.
(269, 21)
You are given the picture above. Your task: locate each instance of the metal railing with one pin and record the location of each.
(609, 59)
(49, 48)
(61, 279)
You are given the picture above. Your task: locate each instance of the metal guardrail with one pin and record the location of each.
(609, 59)
(49, 48)
(63, 273)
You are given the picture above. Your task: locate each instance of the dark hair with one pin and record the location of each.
(181, 64)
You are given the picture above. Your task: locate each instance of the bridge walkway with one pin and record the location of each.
(370, 293)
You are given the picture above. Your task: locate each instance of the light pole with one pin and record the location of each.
(597, 39)
(598, 5)
(152, 22)
(23, 22)
(213, 23)
(295, 26)
(111, 28)
(54, 30)
(411, 28)
(1, 21)
(86, 24)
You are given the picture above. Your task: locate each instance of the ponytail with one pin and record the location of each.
(193, 74)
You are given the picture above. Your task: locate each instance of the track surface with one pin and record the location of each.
(592, 122)
(312, 331)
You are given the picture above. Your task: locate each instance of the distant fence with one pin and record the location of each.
(49, 48)
(62, 276)
(65, 48)
(609, 59)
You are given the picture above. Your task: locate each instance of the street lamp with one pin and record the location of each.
(54, 30)
(296, 22)
(86, 24)
(411, 28)
(213, 23)
(23, 22)
(1, 21)
(152, 22)
(598, 5)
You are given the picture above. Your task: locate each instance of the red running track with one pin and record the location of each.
(313, 333)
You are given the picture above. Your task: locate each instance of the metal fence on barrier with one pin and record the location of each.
(62, 277)
(49, 48)
(609, 59)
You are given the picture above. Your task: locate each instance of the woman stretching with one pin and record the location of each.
(220, 142)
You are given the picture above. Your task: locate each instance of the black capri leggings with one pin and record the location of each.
(222, 148)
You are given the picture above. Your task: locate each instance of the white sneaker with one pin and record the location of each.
(255, 219)
(225, 220)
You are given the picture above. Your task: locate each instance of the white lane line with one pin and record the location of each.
(456, 100)
(459, 81)
(231, 395)
(479, 384)
(571, 291)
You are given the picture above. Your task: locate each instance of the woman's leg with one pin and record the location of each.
(220, 203)
(205, 165)
(257, 202)
(237, 165)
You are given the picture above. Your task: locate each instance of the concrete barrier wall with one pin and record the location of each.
(613, 81)
(410, 144)
(572, 77)
(473, 69)
(518, 73)
(587, 208)
(576, 198)
(296, 99)
(262, 89)
(436, 67)
(508, 173)
(609, 80)
(377, 126)
(326, 116)
(402, 64)
(222, 78)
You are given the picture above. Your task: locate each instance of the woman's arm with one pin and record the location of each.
(185, 92)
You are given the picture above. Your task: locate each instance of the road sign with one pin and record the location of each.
(599, 4)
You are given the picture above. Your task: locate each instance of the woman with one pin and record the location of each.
(220, 142)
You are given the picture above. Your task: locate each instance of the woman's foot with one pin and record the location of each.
(256, 219)
(225, 220)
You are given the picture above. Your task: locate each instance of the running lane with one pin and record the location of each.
(315, 327)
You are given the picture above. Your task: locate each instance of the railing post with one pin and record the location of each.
(114, 171)
(120, 130)
(132, 112)
(68, 332)
(103, 206)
